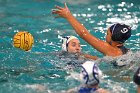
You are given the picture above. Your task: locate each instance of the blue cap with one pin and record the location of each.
(120, 32)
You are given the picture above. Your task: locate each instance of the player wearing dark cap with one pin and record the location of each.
(120, 33)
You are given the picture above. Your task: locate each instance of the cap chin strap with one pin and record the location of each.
(110, 42)
(115, 41)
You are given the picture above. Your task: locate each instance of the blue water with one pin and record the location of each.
(20, 70)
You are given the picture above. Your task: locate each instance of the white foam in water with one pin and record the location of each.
(122, 60)
(116, 87)
(37, 87)
(73, 75)
(124, 66)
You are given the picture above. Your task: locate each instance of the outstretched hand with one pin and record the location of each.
(62, 12)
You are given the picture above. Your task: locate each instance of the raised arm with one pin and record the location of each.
(100, 45)
(90, 56)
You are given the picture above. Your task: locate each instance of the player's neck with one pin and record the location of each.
(115, 44)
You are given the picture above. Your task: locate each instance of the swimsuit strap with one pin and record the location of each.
(86, 90)
(123, 49)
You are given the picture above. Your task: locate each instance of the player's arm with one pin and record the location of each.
(90, 56)
(100, 45)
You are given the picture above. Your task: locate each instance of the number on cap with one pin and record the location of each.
(124, 30)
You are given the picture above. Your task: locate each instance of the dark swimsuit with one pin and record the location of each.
(87, 90)
(124, 51)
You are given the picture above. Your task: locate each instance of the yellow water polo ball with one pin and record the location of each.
(23, 40)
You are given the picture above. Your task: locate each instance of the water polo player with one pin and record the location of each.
(71, 44)
(90, 77)
(117, 34)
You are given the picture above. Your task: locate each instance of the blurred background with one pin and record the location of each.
(19, 70)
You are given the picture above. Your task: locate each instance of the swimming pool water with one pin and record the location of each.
(18, 68)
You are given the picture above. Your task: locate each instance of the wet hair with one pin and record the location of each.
(120, 32)
(136, 77)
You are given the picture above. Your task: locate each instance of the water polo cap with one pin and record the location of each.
(66, 40)
(120, 32)
(90, 73)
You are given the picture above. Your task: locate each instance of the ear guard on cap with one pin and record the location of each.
(64, 43)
